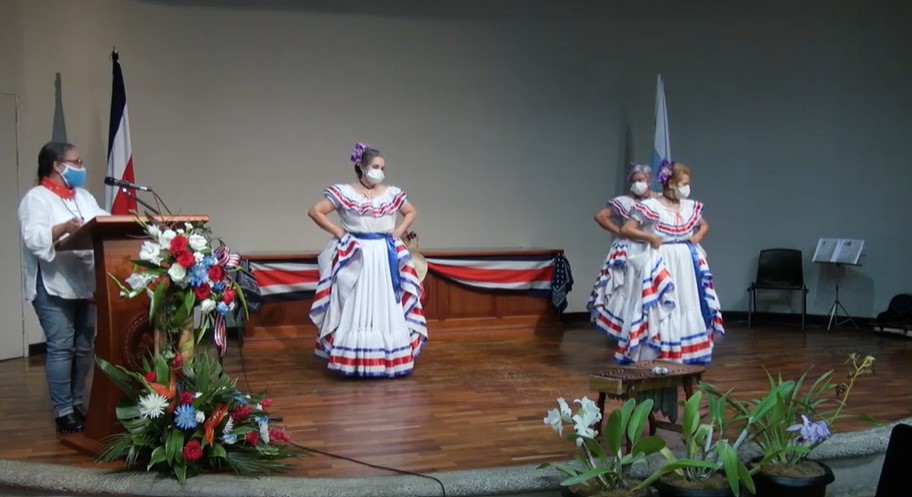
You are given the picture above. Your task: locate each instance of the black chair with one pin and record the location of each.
(779, 269)
(894, 481)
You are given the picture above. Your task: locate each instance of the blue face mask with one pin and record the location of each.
(74, 178)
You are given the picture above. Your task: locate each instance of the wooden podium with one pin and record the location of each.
(124, 334)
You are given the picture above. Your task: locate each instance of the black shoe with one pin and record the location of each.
(80, 412)
(69, 424)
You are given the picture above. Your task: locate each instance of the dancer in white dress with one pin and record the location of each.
(679, 302)
(367, 304)
(614, 301)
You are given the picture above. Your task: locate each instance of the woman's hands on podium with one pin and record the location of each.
(65, 228)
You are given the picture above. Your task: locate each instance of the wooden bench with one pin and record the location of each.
(625, 382)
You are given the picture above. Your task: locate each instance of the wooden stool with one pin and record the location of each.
(625, 382)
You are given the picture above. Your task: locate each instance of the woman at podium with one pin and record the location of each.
(678, 299)
(367, 304)
(60, 285)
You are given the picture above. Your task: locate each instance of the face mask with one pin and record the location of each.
(74, 178)
(684, 191)
(639, 188)
(374, 176)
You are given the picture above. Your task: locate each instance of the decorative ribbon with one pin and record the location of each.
(392, 256)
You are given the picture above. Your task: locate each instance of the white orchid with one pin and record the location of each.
(554, 420)
(188, 226)
(154, 231)
(151, 252)
(197, 242)
(177, 273)
(165, 238)
(564, 408)
(207, 306)
(139, 281)
(200, 417)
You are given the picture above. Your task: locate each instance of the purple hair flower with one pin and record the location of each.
(358, 152)
(811, 433)
(665, 171)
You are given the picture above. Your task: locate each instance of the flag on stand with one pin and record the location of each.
(120, 150)
(662, 148)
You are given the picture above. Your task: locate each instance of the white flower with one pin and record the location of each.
(589, 409)
(180, 231)
(197, 242)
(199, 256)
(153, 231)
(188, 226)
(177, 273)
(554, 420)
(197, 395)
(138, 281)
(583, 432)
(207, 306)
(264, 432)
(564, 408)
(152, 405)
(259, 407)
(229, 426)
(200, 417)
(150, 252)
(165, 238)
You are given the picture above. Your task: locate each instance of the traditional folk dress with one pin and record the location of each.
(679, 308)
(367, 304)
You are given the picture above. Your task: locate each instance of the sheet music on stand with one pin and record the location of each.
(839, 251)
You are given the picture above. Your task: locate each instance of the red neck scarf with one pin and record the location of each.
(61, 191)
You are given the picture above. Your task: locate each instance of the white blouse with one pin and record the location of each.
(70, 274)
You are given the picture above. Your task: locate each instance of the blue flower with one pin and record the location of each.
(222, 308)
(209, 261)
(261, 419)
(185, 417)
(229, 438)
(218, 287)
(198, 275)
(240, 398)
(811, 433)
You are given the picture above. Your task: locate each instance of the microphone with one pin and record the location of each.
(109, 180)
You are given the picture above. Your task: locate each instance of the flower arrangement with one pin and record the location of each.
(188, 418)
(185, 276)
(798, 423)
(604, 467)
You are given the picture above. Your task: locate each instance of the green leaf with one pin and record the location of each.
(648, 446)
(217, 451)
(730, 465)
(151, 266)
(586, 476)
(117, 376)
(157, 296)
(614, 431)
(744, 475)
(158, 456)
(638, 419)
(240, 296)
(180, 472)
(174, 445)
(126, 410)
(691, 420)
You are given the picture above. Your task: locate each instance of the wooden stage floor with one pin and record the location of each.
(474, 401)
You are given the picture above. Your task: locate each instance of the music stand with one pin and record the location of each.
(840, 252)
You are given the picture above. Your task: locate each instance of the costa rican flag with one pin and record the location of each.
(120, 149)
(662, 145)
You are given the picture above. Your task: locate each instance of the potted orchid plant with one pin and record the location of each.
(800, 421)
(603, 469)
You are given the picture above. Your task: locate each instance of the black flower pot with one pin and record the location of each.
(785, 486)
(668, 490)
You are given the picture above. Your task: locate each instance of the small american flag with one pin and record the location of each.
(561, 283)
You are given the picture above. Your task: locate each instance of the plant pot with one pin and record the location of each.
(584, 490)
(786, 486)
(669, 489)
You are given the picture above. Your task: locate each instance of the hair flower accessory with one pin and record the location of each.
(358, 152)
(665, 171)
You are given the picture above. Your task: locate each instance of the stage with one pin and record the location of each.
(476, 400)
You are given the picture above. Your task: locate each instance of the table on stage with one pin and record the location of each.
(478, 289)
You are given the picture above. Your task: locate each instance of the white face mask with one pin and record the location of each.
(639, 188)
(374, 176)
(684, 191)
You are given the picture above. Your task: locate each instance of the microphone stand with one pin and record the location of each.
(140, 201)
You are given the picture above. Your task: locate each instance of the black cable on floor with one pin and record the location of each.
(330, 454)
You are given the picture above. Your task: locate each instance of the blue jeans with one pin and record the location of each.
(69, 330)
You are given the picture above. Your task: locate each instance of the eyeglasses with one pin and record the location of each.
(77, 162)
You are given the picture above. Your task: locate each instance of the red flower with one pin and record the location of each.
(252, 438)
(151, 376)
(278, 435)
(240, 413)
(187, 398)
(228, 296)
(192, 451)
(177, 362)
(179, 244)
(267, 403)
(216, 273)
(203, 291)
(186, 260)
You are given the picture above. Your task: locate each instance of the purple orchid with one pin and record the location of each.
(809, 432)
